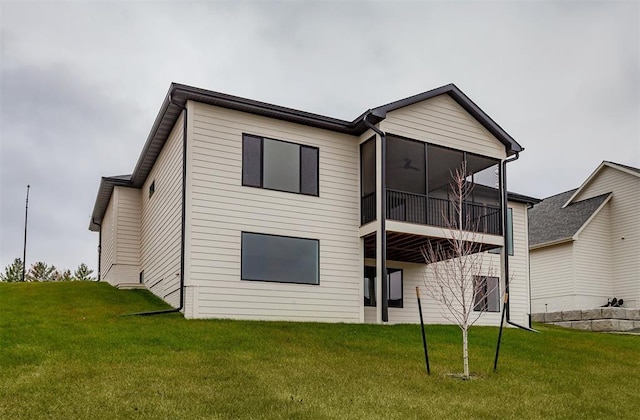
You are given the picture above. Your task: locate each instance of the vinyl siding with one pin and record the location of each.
(593, 258)
(519, 303)
(553, 274)
(120, 237)
(625, 223)
(107, 247)
(442, 121)
(161, 221)
(221, 208)
(415, 275)
(128, 226)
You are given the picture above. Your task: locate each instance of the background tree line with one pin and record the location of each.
(40, 271)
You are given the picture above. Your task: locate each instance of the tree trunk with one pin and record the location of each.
(465, 352)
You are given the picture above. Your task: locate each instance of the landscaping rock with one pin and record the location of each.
(633, 314)
(626, 325)
(553, 317)
(592, 314)
(581, 325)
(613, 313)
(605, 324)
(572, 315)
(565, 324)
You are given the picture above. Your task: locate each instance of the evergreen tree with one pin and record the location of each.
(13, 272)
(83, 273)
(40, 271)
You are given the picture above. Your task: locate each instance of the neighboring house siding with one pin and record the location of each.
(552, 269)
(221, 208)
(593, 276)
(442, 121)
(625, 223)
(161, 221)
(107, 247)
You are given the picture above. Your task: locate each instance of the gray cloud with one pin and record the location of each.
(81, 84)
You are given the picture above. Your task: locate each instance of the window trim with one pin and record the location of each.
(300, 147)
(243, 278)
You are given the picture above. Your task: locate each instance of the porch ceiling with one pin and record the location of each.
(406, 247)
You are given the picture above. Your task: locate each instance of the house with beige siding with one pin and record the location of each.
(585, 243)
(247, 210)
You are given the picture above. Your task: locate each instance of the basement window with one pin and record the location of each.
(394, 287)
(487, 294)
(281, 259)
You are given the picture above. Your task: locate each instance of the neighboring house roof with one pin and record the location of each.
(605, 163)
(550, 222)
(179, 94)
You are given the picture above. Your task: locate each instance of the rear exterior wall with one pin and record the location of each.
(220, 208)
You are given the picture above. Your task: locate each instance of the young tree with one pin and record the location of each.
(456, 276)
(12, 272)
(83, 273)
(40, 271)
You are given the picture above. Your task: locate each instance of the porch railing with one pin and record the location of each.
(417, 208)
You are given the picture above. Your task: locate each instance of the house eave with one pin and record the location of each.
(105, 190)
(551, 243)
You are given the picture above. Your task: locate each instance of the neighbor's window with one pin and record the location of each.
(394, 286)
(280, 258)
(487, 294)
(279, 165)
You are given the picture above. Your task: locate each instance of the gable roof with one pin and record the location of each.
(551, 223)
(605, 163)
(178, 95)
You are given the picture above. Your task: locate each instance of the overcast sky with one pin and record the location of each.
(82, 82)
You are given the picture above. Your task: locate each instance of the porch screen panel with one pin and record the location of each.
(405, 165)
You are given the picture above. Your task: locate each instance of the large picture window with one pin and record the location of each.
(280, 259)
(279, 165)
(487, 294)
(394, 286)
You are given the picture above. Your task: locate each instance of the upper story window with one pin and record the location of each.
(279, 165)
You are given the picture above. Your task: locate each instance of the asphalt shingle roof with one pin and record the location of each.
(549, 222)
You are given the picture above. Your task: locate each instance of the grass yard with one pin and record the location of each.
(65, 353)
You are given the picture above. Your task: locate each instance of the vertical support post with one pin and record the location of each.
(383, 229)
(424, 337)
(24, 249)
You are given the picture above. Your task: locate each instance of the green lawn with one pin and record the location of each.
(66, 353)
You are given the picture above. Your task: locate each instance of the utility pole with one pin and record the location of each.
(24, 251)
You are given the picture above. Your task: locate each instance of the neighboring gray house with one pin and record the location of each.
(585, 243)
(242, 209)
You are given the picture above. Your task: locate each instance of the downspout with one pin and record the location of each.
(383, 214)
(99, 246)
(506, 249)
(182, 232)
